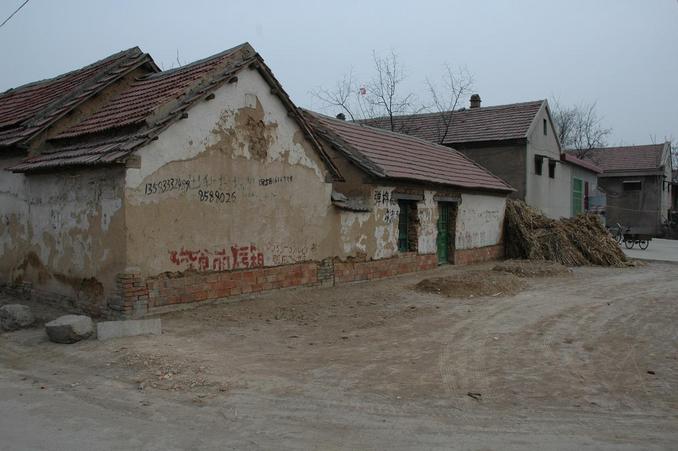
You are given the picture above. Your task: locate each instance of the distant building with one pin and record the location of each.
(517, 142)
(637, 181)
(586, 197)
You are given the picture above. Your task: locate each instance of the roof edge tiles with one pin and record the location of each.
(627, 159)
(55, 97)
(568, 158)
(92, 148)
(469, 125)
(396, 156)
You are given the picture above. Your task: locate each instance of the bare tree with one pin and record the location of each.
(384, 96)
(381, 96)
(455, 86)
(673, 149)
(345, 95)
(579, 127)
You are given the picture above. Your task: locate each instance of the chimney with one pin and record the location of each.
(475, 101)
(341, 116)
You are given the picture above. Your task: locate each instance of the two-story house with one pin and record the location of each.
(517, 142)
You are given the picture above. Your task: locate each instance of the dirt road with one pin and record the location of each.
(587, 360)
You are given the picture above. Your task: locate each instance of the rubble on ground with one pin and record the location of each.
(69, 328)
(532, 268)
(473, 284)
(577, 241)
(15, 317)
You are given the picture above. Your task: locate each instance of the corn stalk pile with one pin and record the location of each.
(577, 241)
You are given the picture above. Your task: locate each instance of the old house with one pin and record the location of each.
(637, 183)
(142, 189)
(437, 201)
(517, 142)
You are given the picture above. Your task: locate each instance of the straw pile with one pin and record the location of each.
(575, 241)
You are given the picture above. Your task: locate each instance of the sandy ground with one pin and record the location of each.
(659, 249)
(587, 360)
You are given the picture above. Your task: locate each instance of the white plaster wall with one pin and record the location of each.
(480, 221)
(427, 211)
(374, 234)
(278, 202)
(188, 138)
(550, 195)
(14, 231)
(665, 204)
(69, 235)
(353, 233)
(385, 225)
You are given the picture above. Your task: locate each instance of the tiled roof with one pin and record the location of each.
(140, 100)
(26, 111)
(627, 158)
(386, 154)
(493, 123)
(148, 106)
(586, 164)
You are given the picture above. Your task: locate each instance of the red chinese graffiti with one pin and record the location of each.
(237, 257)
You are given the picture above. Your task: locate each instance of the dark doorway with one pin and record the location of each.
(447, 223)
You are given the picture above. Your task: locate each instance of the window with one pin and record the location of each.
(407, 226)
(552, 169)
(545, 127)
(632, 185)
(538, 163)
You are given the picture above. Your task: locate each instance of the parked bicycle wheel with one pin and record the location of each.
(629, 244)
(643, 244)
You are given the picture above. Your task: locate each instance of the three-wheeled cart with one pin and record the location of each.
(641, 239)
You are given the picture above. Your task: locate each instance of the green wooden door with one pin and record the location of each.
(577, 196)
(443, 240)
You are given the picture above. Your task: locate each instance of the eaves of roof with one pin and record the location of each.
(117, 150)
(56, 110)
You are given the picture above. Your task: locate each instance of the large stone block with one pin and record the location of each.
(15, 316)
(69, 328)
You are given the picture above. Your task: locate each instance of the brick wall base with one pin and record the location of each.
(139, 296)
(377, 269)
(479, 254)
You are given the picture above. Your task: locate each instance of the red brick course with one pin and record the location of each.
(377, 269)
(137, 295)
(479, 254)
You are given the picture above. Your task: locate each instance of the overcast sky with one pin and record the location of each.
(621, 54)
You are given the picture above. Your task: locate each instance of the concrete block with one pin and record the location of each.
(130, 328)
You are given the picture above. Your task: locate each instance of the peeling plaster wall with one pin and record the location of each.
(371, 235)
(14, 231)
(480, 221)
(427, 210)
(65, 235)
(233, 185)
(374, 234)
